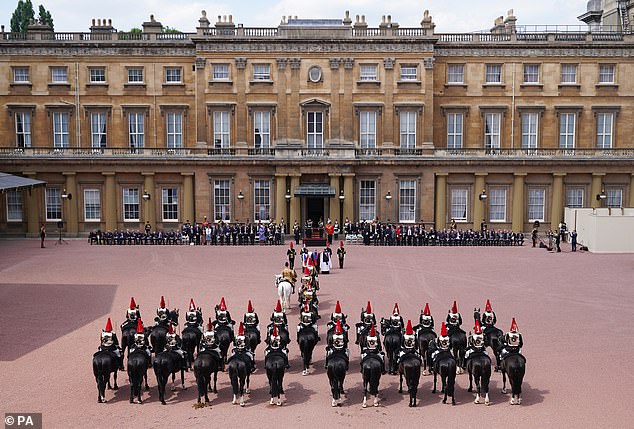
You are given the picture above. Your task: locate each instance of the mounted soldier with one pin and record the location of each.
(488, 319)
(252, 322)
(368, 319)
(478, 364)
(454, 319)
(372, 348)
(457, 336)
(338, 344)
(192, 331)
(174, 344)
(209, 342)
(110, 343)
(426, 320)
(513, 363)
(409, 343)
(409, 363)
(241, 349)
(129, 326)
(335, 317)
(512, 342)
(275, 345)
(308, 320)
(141, 343)
(393, 323)
(392, 330)
(163, 315)
(223, 317)
(307, 335)
(194, 316)
(475, 342)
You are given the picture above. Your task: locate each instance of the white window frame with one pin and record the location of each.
(493, 74)
(21, 74)
(407, 124)
(98, 130)
(59, 74)
(614, 198)
(222, 199)
(574, 197)
(220, 72)
(407, 201)
(262, 200)
(367, 200)
(531, 74)
(169, 204)
(569, 74)
(61, 136)
(567, 130)
(136, 75)
(92, 205)
(136, 130)
(131, 205)
(23, 129)
(536, 204)
(97, 75)
(607, 73)
(605, 130)
(459, 204)
(492, 130)
(15, 208)
(174, 128)
(368, 72)
(173, 75)
(261, 71)
(262, 127)
(53, 201)
(222, 129)
(315, 130)
(409, 72)
(367, 129)
(455, 129)
(497, 204)
(455, 74)
(530, 130)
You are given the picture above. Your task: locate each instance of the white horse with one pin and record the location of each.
(284, 288)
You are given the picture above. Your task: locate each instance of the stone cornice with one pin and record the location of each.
(524, 51)
(99, 51)
(313, 46)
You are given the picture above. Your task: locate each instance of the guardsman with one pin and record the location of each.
(426, 320)
(209, 342)
(275, 344)
(394, 322)
(475, 342)
(223, 317)
(512, 341)
(291, 255)
(409, 343)
(338, 343)
(194, 316)
(131, 315)
(251, 319)
(173, 343)
(141, 342)
(442, 341)
(242, 348)
(341, 254)
(488, 318)
(110, 343)
(307, 318)
(454, 319)
(162, 313)
(373, 348)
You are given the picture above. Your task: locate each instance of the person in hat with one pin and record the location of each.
(173, 343)
(325, 260)
(409, 343)
(454, 319)
(223, 317)
(110, 343)
(475, 341)
(141, 342)
(251, 319)
(372, 348)
(336, 317)
(394, 322)
(241, 347)
(442, 341)
(275, 344)
(291, 255)
(307, 319)
(131, 316)
(367, 320)
(341, 254)
(488, 318)
(194, 316)
(290, 275)
(278, 318)
(303, 254)
(426, 320)
(162, 313)
(338, 343)
(512, 341)
(209, 341)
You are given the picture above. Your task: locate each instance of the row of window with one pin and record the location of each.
(531, 74)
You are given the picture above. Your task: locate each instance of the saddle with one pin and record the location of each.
(213, 352)
(410, 353)
(472, 353)
(339, 353)
(506, 352)
(372, 355)
(109, 352)
(439, 353)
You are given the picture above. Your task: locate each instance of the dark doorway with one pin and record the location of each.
(315, 209)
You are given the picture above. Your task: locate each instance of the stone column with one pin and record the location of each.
(110, 201)
(479, 207)
(335, 210)
(201, 110)
(241, 87)
(557, 204)
(294, 110)
(282, 115)
(280, 199)
(440, 220)
(188, 197)
(334, 119)
(597, 185)
(630, 203)
(427, 128)
(149, 206)
(348, 202)
(347, 109)
(295, 214)
(387, 117)
(518, 202)
(32, 200)
(70, 206)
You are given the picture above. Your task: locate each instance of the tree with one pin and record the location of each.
(22, 16)
(45, 17)
(168, 29)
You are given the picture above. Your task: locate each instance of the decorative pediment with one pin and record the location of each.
(315, 102)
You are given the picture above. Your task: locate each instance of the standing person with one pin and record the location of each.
(573, 240)
(330, 230)
(148, 228)
(557, 242)
(291, 255)
(296, 232)
(341, 253)
(304, 255)
(534, 236)
(42, 236)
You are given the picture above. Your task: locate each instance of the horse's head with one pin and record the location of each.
(476, 314)
(173, 316)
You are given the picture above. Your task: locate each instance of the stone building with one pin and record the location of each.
(314, 118)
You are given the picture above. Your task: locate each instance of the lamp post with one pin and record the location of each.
(483, 197)
(388, 198)
(66, 196)
(241, 198)
(288, 197)
(342, 198)
(601, 197)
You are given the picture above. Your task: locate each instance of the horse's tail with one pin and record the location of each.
(99, 370)
(203, 377)
(276, 379)
(233, 376)
(412, 375)
(515, 372)
(333, 377)
(451, 376)
(372, 375)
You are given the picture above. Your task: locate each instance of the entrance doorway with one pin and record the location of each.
(315, 209)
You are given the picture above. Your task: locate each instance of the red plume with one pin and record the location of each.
(223, 306)
(306, 306)
(306, 272)
(426, 311)
(487, 308)
(192, 306)
(338, 308)
(477, 329)
(162, 305)
(241, 330)
(409, 330)
(210, 326)
(291, 244)
(132, 304)
(338, 328)
(108, 325)
(368, 308)
(514, 325)
(278, 307)
(372, 331)
(454, 308)
(139, 326)
(443, 330)
(341, 244)
(250, 307)
(395, 311)
(274, 331)
(171, 329)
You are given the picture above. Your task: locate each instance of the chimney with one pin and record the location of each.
(152, 26)
(347, 20)
(102, 26)
(498, 25)
(509, 22)
(361, 25)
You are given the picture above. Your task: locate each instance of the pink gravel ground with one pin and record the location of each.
(574, 310)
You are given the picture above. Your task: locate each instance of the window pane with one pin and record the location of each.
(130, 204)
(454, 130)
(367, 128)
(529, 130)
(98, 130)
(20, 74)
(531, 73)
(222, 134)
(606, 73)
(136, 130)
(53, 204)
(494, 73)
(459, 204)
(497, 204)
(222, 200)
(455, 73)
(14, 206)
(60, 129)
(492, 130)
(575, 198)
(261, 129)
(170, 204)
(315, 127)
(262, 200)
(97, 75)
(536, 204)
(220, 71)
(173, 75)
(408, 72)
(615, 198)
(567, 130)
(408, 129)
(135, 75)
(261, 72)
(92, 205)
(568, 73)
(174, 130)
(407, 201)
(368, 72)
(59, 75)
(367, 200)
(605, 123)
(23, 129)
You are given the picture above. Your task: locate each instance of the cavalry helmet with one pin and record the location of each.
(275, 338)
(221, 311)
(278, 315)
(443, 338)
(478, 336)
(209, 336)
(132, 312)
(192, 313)
(372, 341)
(409, 339)
(454, 316)
(337, 315)
(367, 317)
(139, 335)
(250, 317)
(426, 318)
(488, 314)
(337, 337)
(171, 335)
(306, 316)
(240, 338)
(162, 311)
(107, 336)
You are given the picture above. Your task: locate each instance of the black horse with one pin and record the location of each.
(190, 337)
(206, 363)
(225, 336)
(252, 337)
(137, 374)
(127, 336)
(371, 368)
(331, 332)
(444, 364)
(492, 338)
(392, 342)
(159, 331)
(104, 363)
(307, 339)
(479, 369)
(337, 364)
(458, 341)
(514, 366)
(409, 367)
(166, 363)
(239, 375)
(275, 367)
(425, 335)
(285, 338)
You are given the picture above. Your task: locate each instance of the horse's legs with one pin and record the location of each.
(435, 376)
(503, 381)
(183, 379)
(147, 386)
(365, 392)
(248, 381)
(115, 380)
(470, 389)
(173, 381)
(400, 385)
(215, 381)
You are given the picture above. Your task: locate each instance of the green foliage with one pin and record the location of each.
(168, 29)
(22, 16)
(135, 30)
(45, 17)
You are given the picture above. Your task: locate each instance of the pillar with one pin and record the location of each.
(70, 206)
(280, 197)
(201, 110)
(440, 220)
(32, 200)
(295, 214)
(630, 203)
(479, 207)
(335, 204)
(518, 202)
(188, 197)
(348, 202)
(110, 201)
(149, 206)
(557, 204)
(597, 185)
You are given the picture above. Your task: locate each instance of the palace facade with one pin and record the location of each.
(314, 118)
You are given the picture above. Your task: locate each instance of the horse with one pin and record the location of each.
(331, 332)
(225, 336)
(137, 373)
(166, 363)
(515, 366)
(336, 369)
(371, 371)
(127, 337)
(206, 362)
(307, 339)
(425, 335)
(458, 341)
(392, 342)
(492, 338)
(190, 337)
(409, 367)
(158, 331)
(284, 288)
(285, 337)
(479, 369)
(252, 337)
(104, 363)
(275, 368)
(444, 364)
(239, 375)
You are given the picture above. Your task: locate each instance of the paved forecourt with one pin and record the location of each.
(573, 309)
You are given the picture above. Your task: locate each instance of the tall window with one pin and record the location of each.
(23, 129)
(261, 72)
(173, 75)
(20, 74)
(53, 204)
(493, 73)
(531, 73)
(605, 126)
(170, 204)
(497, 204)
(220, 71)
(222, 136)
(492, 123)
(60, 129)
(14, 206)
(97, 75)
(367, 200)
(454, 130)
(606, 73)
(135, 75)
(315, 130)
(568, 73)
(459, 197)
(536, 197)
(408, 72)
(98, 129)
(130, 204)
(574, 198)
(407, 201)
(567, 130)
(615, 198)
(529, 130)
(368, 72)
(408, 129)
(455, 73)
(367, 127)
(174, 130)
(136, 130)
(92, 205)
(261, 129)
(222, 200)
(262, 200)
(59, 75)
